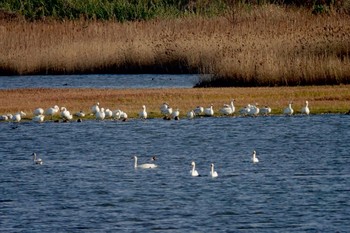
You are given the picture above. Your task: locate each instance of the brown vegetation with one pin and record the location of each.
(325, 99)
(268, 45)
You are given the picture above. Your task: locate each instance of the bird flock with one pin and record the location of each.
(193, 172)
(166, 111)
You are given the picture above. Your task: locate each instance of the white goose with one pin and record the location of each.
(288, 110)
(254, 158)
(18, 116)
(305, 109)
(37, 160)
(95, 108)
(209, 111)
(228, 109)
(65, 114)
(194, 172)
(52, 111)
(108, 113)
(143, 113)
(39, 118)
(145, 165)
(100, 115)
(213, 173)
(38, 111)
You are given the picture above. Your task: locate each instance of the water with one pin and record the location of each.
(99, 81)
(88, 184)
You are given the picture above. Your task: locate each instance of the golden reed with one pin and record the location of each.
(267, 45)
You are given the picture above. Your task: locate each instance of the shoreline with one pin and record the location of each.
(322, 99)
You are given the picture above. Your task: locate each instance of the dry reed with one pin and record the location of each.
(323, 99)
(267, 45)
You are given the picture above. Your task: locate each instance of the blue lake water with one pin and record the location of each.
(117, 81)
(88, 183)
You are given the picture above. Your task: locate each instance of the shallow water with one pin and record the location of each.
(88, 184)
(117, 81)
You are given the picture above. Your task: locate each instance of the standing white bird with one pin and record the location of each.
(198, 110)
(37, 160)
(228, 109)
(209, 111)
(190, 114)
(176, 114)
(18, 116)
(52, 111)
(143, 113)
(145, 165)
(254, 158)
(305, 109)
(213, 173)
(265, 111)
(164, 108)
(194, 172)
(95, 108)
(39, 118)
(288, 110)
(100, 115)
(38, 111)
(65, 114)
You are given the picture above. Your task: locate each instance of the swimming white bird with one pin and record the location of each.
(194, 171)
(95, 108)
(209, 111)
(190, 114)
(52, 111)
(38, 111)
(145, 165)
(198, 110)
(37, 160)
(100, 115)
(228, 109)
(265, 111)
(212, 172)
(65, 114)
(18, 116)
(288, 110)
(305, 109)
(254, 158)
(39, 118)
(143, 113)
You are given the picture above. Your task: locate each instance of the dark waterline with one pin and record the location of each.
(88, 183)
(99, 81)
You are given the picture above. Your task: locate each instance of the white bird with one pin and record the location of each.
(18, 116)
(100, 115)
(213, 173)
(145, 165)
(65, 114)
(143, 113)
(164, 108)
(198, 110)
(80, 114)
(254, 110)
(228, 109)
(305, 109)
(254, 158)
(176, 114)
(288, 110)
(190, 114)
(108, 113)
(39, 118)
(245, 110)
(38, 111)
(194, 171)
(52, 111)
(4, 118)
(37, 160)
(265, 111)
(95, 108)
(209, 111)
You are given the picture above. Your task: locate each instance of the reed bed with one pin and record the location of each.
(265, 45)
(322, 99)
